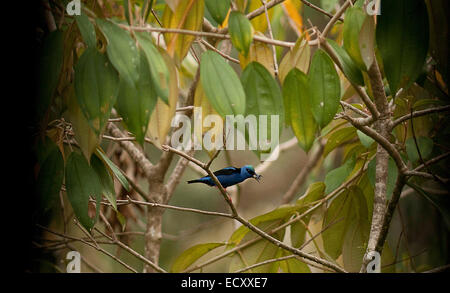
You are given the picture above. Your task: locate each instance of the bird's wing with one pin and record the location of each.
(227, 171)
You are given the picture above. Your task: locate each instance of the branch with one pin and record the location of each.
(136, 154)
(390, 148)
(335, 18)
(129, 200)
(288, 256)
(444, 268)
(175, 177)
(211, 47)
(274, 52)
(205, 34)
(360, 90)
(244, 222)
(99, 248)
(261, 168)
(49, 19)
(432, 161)
(399, 184)
(419, 113)
(301, 177)
(309, 4)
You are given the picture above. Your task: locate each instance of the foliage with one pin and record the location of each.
(135, 63)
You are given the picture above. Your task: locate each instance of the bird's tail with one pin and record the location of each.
(195, 181)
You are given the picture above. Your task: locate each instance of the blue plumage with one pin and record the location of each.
(229, 176)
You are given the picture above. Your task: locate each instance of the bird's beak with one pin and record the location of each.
(257, 177)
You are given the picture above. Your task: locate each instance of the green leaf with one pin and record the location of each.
(221, 85)
(351, 71)
(337, 138)
(50, 64)
(349, 235)
(282, 212)
(299, 57)
(354, 246)
(146, 9)
(84, 135)
(126, 8)
(298, 231)
(105, 179)
(354, 19)
(292, 265)
(136, 101)
(425, 145)
(241, 32)
(324, 88)
(96, 86)
(218, 9)
(367, 41)
(366, 140)
(185, 14)
(87, 30)
(44, 148)
(336, 177)
(50, 179)
(402, 38)
(298, 109)
(328, 5)
(114, 169)
(260, 251)
(337, 215)
(190, 255)
(158, 68)
(122, 220)
(161, 118)
(121, 50)
(357, 235)
(81, 183)
(263, 95)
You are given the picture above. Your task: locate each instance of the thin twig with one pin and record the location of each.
(420, 113)
(207, 34)
(250, 226)
(301, 177)
(269, 26)
(309, 4)
(335, 18)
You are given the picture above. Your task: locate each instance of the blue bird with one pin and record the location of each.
(229, 176)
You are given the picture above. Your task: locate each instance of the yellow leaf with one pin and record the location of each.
(160, 121)
(261, 53)
(292, 9)
(188, 15)
(84, 135)
(298, 57)
(201, 101)
(259, 23)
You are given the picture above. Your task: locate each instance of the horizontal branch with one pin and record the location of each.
(432, 161)
(152, 204)
(205, 34)
(250, 226)
(309, 4)
(420, 113)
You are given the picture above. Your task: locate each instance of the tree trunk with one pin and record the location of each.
(153, 233)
